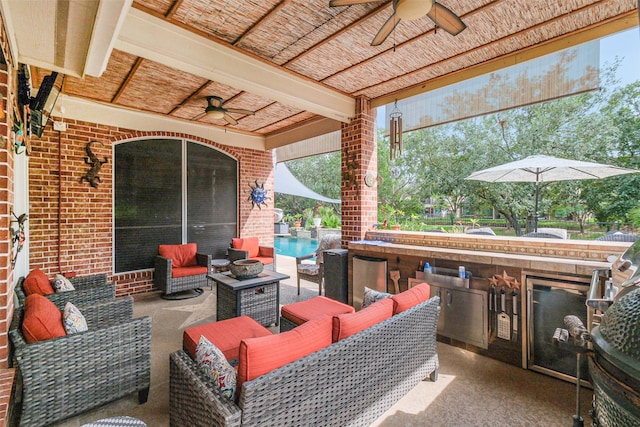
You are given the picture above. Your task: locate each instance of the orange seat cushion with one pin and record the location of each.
(249, 244)
(303, 311)
(224, 334)
(411, 297)
(37, 282)
(42, 320)
(345, 325)
(263, 259)
(259, 356)
(192, 270)
(180, 255)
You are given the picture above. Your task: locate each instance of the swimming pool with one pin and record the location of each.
(294, 246)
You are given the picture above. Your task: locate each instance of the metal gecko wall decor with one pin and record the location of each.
(17, 236)
(351, 165)
(96, 164)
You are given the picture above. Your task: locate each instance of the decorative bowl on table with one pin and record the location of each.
(246, 268)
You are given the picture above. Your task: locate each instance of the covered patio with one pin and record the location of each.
(295, 78)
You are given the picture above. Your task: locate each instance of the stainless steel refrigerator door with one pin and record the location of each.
(369, 272)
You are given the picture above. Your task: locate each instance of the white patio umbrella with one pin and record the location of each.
(542, 168)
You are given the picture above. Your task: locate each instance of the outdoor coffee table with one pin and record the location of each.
(258, 298)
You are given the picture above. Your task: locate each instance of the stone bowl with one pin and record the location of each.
(246, 268)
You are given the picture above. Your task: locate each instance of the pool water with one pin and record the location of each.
(293, 246)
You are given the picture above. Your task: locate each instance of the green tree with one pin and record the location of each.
(321, 174)
(613, 198)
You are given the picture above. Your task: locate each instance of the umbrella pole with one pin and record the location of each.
(535, 215)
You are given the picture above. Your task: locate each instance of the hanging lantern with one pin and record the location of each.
(395, 132)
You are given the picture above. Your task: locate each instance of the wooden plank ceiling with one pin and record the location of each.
(331, 47)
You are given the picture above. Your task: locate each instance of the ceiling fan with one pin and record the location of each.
(216, 110)
(410, 10)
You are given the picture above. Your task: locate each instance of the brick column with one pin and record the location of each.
(359, 157)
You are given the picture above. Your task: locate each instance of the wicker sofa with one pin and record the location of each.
(88, 290)
(65, 376)
(349, 383)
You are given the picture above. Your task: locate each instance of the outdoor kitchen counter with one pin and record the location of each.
(517, 259)
(548, 264)
(579, 257)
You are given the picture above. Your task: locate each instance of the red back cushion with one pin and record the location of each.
(409, 298)
(259, 356)
(42, 320)
(345, 325)
(249, 244)
(37, 282)
(180, 255)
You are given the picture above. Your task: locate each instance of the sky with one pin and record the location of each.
(624, 45)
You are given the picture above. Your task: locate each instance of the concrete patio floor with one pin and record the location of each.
(472, 390)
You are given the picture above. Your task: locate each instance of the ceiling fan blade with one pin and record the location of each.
(240, 111)
(199, 116)
(385, 30)
(446, 19)
(230, 119)
(334, 3)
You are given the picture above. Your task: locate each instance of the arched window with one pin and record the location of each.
(170, 191)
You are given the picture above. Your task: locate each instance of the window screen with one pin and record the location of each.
(211, 199)
(150, 201)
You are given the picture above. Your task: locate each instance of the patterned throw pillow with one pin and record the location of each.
(371, 296)
(73, 320)
(212, 362)
(62, 284)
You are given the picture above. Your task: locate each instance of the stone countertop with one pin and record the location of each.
(583, 267)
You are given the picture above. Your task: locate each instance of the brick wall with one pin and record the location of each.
(80, 240)
(359, 157)
(7, 91)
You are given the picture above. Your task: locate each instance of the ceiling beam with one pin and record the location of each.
(301, 132)
(153, 38)
(109, 19)
(118, 116)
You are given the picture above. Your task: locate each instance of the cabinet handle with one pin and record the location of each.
(529, 326)
(449, 298)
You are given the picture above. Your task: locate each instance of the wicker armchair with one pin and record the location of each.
(88, 290)
(166, 279)
(315, 272)
(548, 233)
(65, 376)
(250, 248)
(618, 236)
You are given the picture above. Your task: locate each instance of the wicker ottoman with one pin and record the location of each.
(224, 334)
(295, 314)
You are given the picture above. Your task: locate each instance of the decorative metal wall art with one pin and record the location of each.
(96, 164)
(17, 236)
(349, 172)
(20, 139)
(395, 132)
(258, 195)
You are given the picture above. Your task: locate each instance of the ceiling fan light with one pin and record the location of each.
(215, 113)
(412, 9)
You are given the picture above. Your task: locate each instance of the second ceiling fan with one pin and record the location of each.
(410, 10)
(216, 110)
